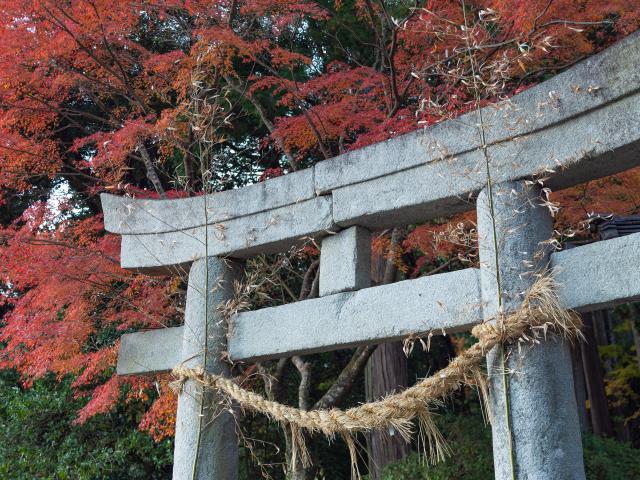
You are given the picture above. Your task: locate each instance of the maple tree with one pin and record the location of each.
(95, 98)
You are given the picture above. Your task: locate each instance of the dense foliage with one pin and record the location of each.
(173, 98)
(39, 441)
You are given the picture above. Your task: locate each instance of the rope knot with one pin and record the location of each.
(490, 332)
(182, 373)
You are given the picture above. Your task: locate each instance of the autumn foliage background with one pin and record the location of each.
(111, 96)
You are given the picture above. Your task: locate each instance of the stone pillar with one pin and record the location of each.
(206, 444)
(345, 261)
(539, 401)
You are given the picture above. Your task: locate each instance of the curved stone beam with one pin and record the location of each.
(127, 215)
(590, 84)
(267, 232)
(596, 144)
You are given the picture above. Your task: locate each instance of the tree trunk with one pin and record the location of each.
(385, 373)
(580, 387)
(603, 334)
(152, 175)
(598, 408)
(635, 329)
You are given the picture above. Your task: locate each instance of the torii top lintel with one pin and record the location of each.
(581, 124)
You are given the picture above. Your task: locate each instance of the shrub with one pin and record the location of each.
(39, 440)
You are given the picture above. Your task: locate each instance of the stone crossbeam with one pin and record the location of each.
(582, 124)
(599, 275)
(448, 301)
(150, 351)
(592, 276)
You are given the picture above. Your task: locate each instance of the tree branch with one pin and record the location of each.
(152, 175)
(304, 388)
(264, 119)
(391, 266)
(273, 384)
(308, 280)
(344, 383)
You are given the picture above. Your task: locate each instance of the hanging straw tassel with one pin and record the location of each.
(430, 436)
(353, 455)
(482, 386)
(299, 447)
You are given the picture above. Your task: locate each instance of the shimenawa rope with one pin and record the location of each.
(539, 314)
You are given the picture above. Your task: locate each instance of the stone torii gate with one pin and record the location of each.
(580, 125)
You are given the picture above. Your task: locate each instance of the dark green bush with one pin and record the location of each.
(38, 439)
(470, 440)
(607, 459)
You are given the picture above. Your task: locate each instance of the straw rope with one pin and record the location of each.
(539, 314)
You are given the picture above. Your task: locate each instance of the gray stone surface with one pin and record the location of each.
(545, 430)
(345, 261)
(149, 352)
(437, 189)
(214, 456)
(598, 143)
(590, 84)
(266, 232)
(599, 275)
(126, 215)
(449, 301)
